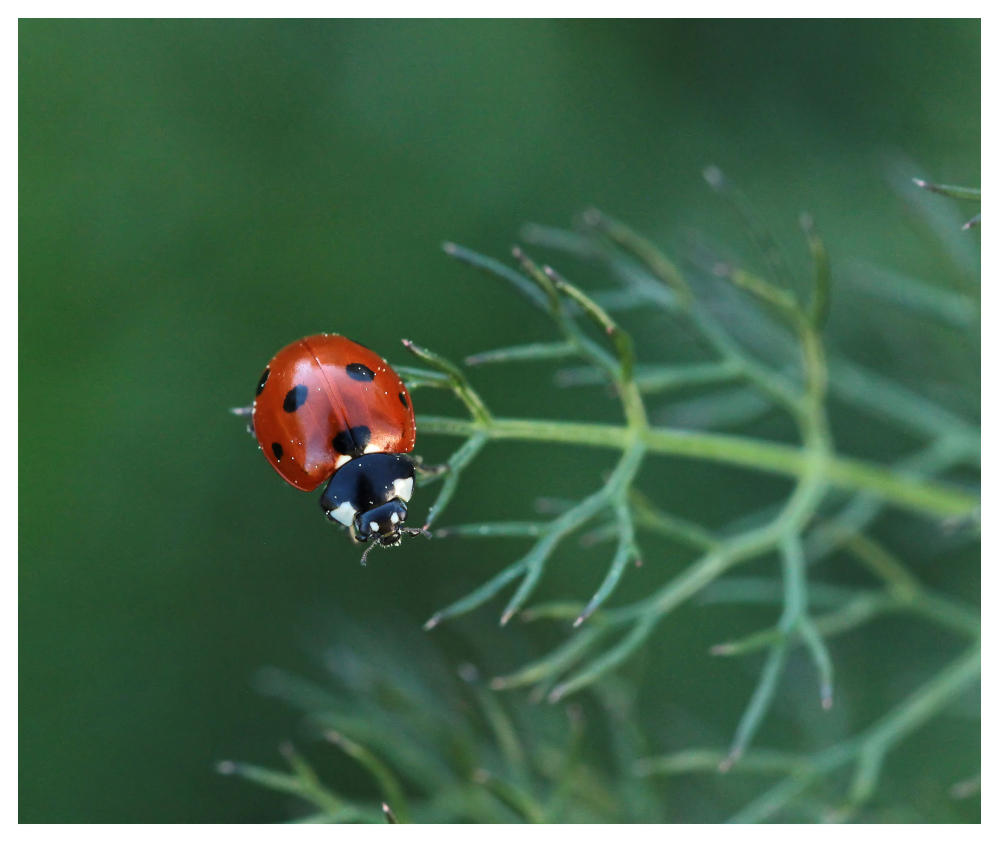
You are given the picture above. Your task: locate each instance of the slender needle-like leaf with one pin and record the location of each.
(524, 353)
(759, 704)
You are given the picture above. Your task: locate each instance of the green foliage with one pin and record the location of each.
(834, 501)
(438, 745)
(969, 194)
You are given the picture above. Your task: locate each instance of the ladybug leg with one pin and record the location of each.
(429, 471)
(245, 412)
(414, 530)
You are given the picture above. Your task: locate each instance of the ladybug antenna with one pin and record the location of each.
(364, 556)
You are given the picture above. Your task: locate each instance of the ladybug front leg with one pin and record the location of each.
(429, 471)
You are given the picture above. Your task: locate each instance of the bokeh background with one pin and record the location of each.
(196, 194)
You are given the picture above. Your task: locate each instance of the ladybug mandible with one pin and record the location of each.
(330, 409)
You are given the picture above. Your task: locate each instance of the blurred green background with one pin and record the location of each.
(196, 194)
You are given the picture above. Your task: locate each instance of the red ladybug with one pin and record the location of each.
(330, 409)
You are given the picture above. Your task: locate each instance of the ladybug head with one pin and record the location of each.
(369, 495)
(384, 523)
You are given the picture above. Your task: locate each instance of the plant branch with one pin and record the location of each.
(899, 488)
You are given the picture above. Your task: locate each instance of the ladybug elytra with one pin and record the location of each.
(330, 409)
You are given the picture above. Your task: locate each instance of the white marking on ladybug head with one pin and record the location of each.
(395, 517)
(374, 526)
(344, 513)
(403, 488)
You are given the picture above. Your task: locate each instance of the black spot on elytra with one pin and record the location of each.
(277, 450)
(352, 441)
(295, 397)
(402, 398)
(359, 371)
(263, 380)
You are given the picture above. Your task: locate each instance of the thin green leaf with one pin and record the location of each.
(503, 729)
(970, 194)
(822, 289)
(816, 646)
(623, 344)
(706, 760)
(649, 517)
(501, 270)
(524, 353)
(521, 802)
(625, 553)
(387, 782)
(555, 662)
(657, 378)
(764, 240)
(459, 383)
(608, 661)
(415, 378)
(459, 459)
(648, 254)
(503, 529)
(567, 610)
(758, 706)
(534, 565)
(923, 299)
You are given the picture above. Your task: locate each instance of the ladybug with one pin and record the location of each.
(330, 409)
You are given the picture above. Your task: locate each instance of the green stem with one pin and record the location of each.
(879, 738)
(908, 492)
